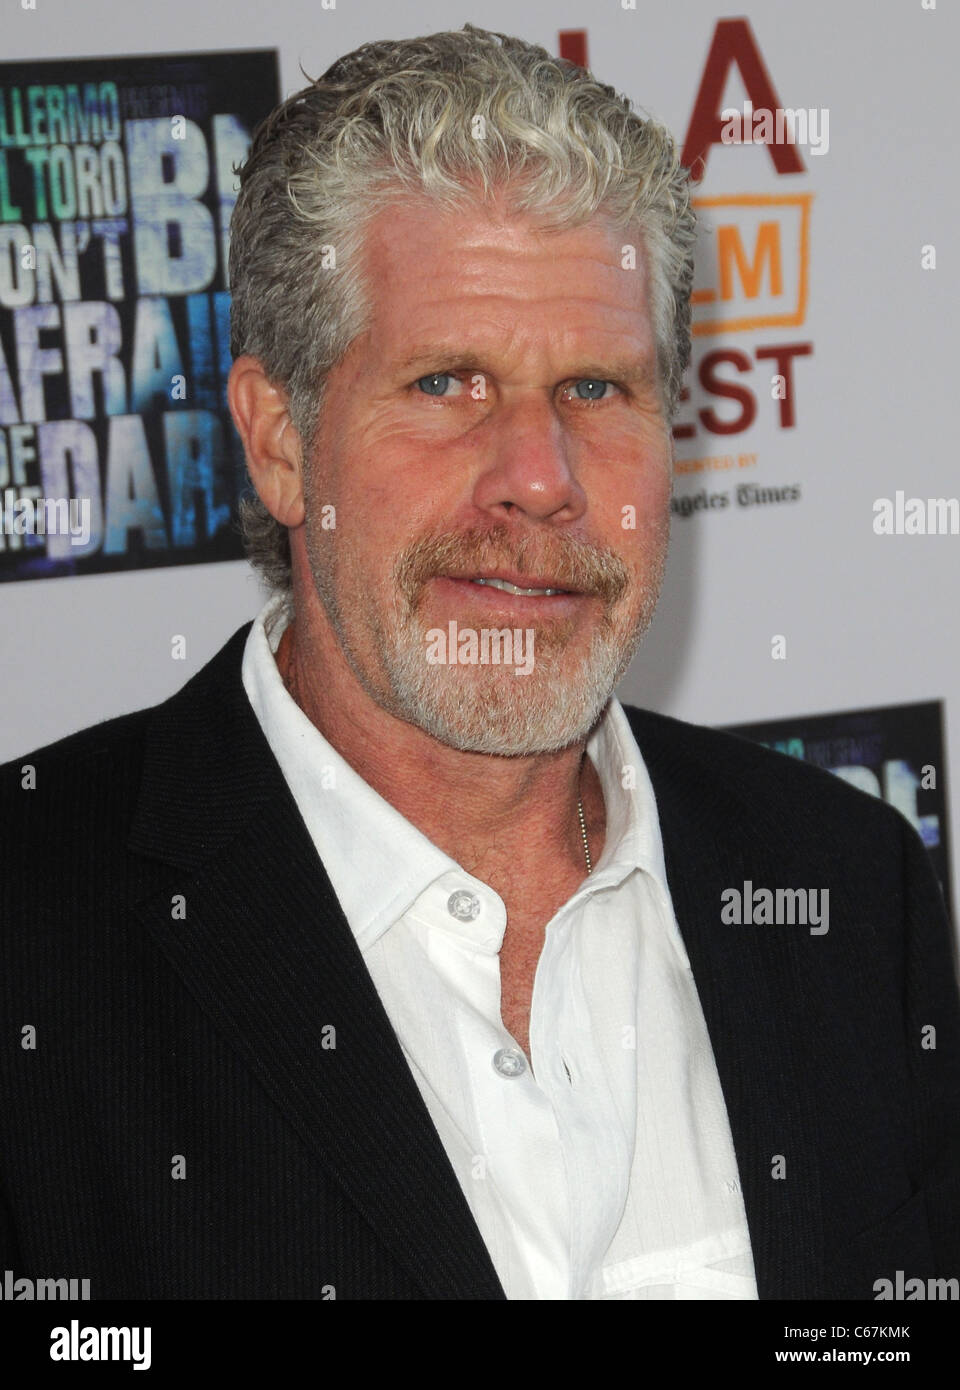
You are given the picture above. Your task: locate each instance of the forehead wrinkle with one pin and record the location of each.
(591, 280)
(397, 236)
(508, 289)
(624, 351)
(611, 310)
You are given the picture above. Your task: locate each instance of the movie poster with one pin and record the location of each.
(895, 752)
(116, 187)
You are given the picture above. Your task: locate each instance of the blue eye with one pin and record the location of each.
(592, 393)
(434, 384)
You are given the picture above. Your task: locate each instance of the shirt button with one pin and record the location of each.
(463, 905)
(509, 1062)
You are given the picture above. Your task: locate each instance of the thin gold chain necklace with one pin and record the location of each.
(583, 823)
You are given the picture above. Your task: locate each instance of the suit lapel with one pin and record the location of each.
(266, 951)
(752, 982)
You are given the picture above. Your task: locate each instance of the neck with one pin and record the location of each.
(504, 819)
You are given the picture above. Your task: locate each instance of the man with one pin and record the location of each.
(392, 957)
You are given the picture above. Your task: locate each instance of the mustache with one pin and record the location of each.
(571, 564)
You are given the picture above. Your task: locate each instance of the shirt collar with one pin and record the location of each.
(379, 863)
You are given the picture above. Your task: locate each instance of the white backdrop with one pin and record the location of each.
(869, 620)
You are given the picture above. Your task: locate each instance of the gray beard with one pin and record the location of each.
(489, 709)
(483, 709)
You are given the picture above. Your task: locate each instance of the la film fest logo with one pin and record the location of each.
(752, 275)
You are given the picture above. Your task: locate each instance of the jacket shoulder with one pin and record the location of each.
(99, 767)
(96, 739)
(107, 751)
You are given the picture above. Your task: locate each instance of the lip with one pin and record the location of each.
(522, 581)
(495, 601)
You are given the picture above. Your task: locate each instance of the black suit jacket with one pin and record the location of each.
(171, 936)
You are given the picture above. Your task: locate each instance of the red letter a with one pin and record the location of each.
(733, 42)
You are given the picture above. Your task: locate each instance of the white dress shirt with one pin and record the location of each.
(602, 1167)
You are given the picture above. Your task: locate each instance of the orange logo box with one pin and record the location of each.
(757, 274)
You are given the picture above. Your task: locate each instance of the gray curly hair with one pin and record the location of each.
(399, 117)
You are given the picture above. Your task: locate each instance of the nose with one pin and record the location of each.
(529, 463)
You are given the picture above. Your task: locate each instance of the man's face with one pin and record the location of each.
(500, 420)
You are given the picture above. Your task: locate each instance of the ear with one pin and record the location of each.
(272, 446)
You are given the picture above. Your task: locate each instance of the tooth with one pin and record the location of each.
(508, 588)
